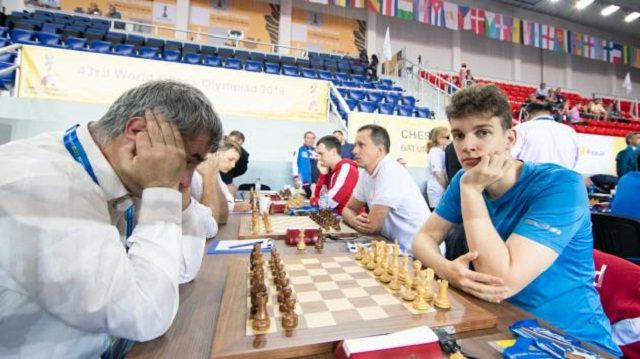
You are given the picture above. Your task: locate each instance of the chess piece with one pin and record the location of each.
(290, 318)
(396, 254)
(384, 275)
(285, 294)
(419, 303)
(395, 283)
(301, 243)
(378, 269)
(261, 321)
(319, 242)
(365, 256)
(359, 252)
(409, 295)
(403, 272)
(267, 222)
(416, 273)
(372, 263)
(428, 284)
(442, 300)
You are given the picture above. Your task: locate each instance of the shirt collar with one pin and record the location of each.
(385, 159)
(542, 118)
(109, 181)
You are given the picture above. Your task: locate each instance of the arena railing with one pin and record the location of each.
(15, 67)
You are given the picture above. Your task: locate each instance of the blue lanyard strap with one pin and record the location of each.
(73, 145)
(129, 217)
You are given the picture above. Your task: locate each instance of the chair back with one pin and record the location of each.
(617, 235)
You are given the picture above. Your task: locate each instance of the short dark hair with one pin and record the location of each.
(238, 134)
(630, 137)
(379, 136)
(483, 100)
(534, 107)
(330, 142)
(334, 132)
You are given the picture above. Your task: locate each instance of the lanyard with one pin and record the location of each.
(544, 118)
(73, 145)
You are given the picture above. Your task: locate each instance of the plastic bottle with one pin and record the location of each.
(592, 189)
(258, 185)
(323, 201)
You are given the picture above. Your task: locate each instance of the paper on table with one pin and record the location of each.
(239, 246)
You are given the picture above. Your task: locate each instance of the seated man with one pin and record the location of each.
(527, 225)
(241, 165)
(627, 193)
(396, 206)
(340, 175)
(79, 262)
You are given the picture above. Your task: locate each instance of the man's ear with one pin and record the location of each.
(512, 136)
(133, 126)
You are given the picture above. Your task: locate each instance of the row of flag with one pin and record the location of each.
(500, 27)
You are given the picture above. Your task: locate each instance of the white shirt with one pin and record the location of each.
(204, 212)
(435, 163)
(391, 185)
(544, 140)
(66, 280)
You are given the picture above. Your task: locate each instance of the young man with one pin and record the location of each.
(98, 227)
(626, 160)
(346, 149)
(340, 175)
(396, 206)
(242, 165)
(527, 225)
(305, 165)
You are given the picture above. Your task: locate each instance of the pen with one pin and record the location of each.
(248, 244)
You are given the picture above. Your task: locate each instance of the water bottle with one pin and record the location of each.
(592, 189)
(323, 201)
(258, 185)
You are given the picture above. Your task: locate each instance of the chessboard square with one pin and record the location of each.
(332, 294)
(295, 267)
(379, 289)
(318, 320)
(307, 297)
(342, 259)
(368, 282)
(370, 313)
(397, 310)
(312, 307)
(322, 286)
(336, 270)
(385, 299)
(307, 287)
(322, 278)
(354, 292)
(309, 260)
(313, 266)
(360, 275)
(301, 280)
(340, 277)
(297, 273)
(349, 284)
(330, 265)
(346, 316)
(316, 272)
(353, 269)
(338, 304)
(272, 328)
(363, 302)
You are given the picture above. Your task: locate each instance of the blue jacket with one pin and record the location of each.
(626, 161)
(304, 165)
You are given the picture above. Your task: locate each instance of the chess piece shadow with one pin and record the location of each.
(259, 341)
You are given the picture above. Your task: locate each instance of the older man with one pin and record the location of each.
(396, 206)
(98, 227)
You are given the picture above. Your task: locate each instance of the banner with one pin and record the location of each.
(65, 75)
(598, 154)
(408, 136)
(322, 32)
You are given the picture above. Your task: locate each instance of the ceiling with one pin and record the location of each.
(590, 16)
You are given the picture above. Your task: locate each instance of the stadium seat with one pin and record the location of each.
(75, 43)
(102, 47)
(391, 97)
(146, 52)
(408, 100)
(50, 39)
(356, 94)
(208, 50)
(387, 82)
(190, 49)
(386, 108)
(342, 76)
(22, 36)
(405, 110)
(289, 70)
(351, 103)
(115, 38)
(423, 112)
(171, 55)
(254, 66)
(309, 73)
(350, 83)
(50, 28)
(367, 106)
(233, 64)
(272, 68)
(375, 96)
(192, 58)
(9, 57)
(123, 49)
(343, 92)
(325, 75)
(211, 60)
(7, 79)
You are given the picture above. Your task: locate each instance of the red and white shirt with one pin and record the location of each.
(340, 181)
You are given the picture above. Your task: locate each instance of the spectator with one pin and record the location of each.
(596, 110)
(113, 13)
(114, 230)
(559, 96)
(93, 9)
(469, 79)
(625, 202)
(305, 165)
(626, 160)
(574, 113)
(462, 75)
(542, 140)
(364, 58)
(373, 68)
(542, 91)
(551, 97)
(78, 10)
(340, 175)
(346, 148)
(602, 183)
(436, 170)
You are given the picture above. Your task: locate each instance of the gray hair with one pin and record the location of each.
(183, 105)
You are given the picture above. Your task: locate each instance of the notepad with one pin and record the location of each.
(239, 246)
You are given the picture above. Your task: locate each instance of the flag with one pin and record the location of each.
(627, 55)
(636, 57)
(490, 25)
(389, 7)
(548, 37)
(477, 22)
(421, 11)
(616, 54)
(588, 46)
(561, 43)
(324, 2)
(464, 17)
(627, 83)
(405, 9)
(596, 50)
(436, 13)
(530, 34)
(516, 30)
(607, 50)
(373, 5)
(341, 3)
(386, 48)
(451, 16)
(358, 4)
(577, 44)
(504, 26)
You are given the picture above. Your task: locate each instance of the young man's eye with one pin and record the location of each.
(483, 133)
(457, 136)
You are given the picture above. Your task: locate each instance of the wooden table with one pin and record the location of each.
(192, 331)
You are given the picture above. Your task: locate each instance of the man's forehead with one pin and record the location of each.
(474, 121)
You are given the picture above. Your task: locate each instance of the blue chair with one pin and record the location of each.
(350, 84)
(423, 112)
(357, 78)
(336, 82)
(408, 100)
(211, 60)
(367, 106)
(123, 49)
(102, 47)
(325, 75)
(386, 108)
(7, 79)
(356, 94)
(3, 31)
(253, 66)
(171, 55)
(309, 73)
(342, 76)
(75, 43)
(404, 110)
(352, 104)
(23, 36)
(387, 82)
(9, 57)
(147, 52)
(343, 92)
(391, 97)
(50, 39)
(367, 85)
(192, 58)
(289, 70)
(233, 64)
(51, 28)
(272, 68)
(397, 88)
(375, 96)
(382, 87)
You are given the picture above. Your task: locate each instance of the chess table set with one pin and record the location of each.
(325, 299)
(256, 226)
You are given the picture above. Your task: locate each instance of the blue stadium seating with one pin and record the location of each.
(423, 112)
(309, 73)
(6, 79)
(254, 66)
(289, 70)
(408, 100)
(102, 47)
(344, 92)
(146, 52)
(9, 57)
(171, 55)
(124, 49)
(272, 68)
(391, 97)
(325, 75)
(342, 76)
(375, 96)
(404, 110)
(386, 108)
(351, 103)
(349, 83)
(22, 36)
(50, 39)
(233, 64)
(211, 60)
(75, 43)
(208, 50)
(367, 106)
(356, 94)
(192, 58)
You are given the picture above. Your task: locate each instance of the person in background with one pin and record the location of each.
(93, 9)
(574, 112)
(527, 225)
(373, 68)
(346, 148)
(462, 75)
(601, 183)
(451, 163)
(113, 13)
(111, 230)
(241, 165)
(626, 160)
(542, 91)
(437, 180)
(340, 175)
(625, 202)
(305, 165)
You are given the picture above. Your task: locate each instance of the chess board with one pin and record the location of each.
(337, 299)
(280, 223)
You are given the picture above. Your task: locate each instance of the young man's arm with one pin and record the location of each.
(345, 181)
(370, 223)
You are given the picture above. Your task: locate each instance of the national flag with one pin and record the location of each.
(421, 11)
(493, 32)
(436, 13)
(626, 84)
(324, 2)
(389, 7)
(373, 5)
(627, 55)
(636, 57)
(477, 22)
(588, 46)
(342, 3)
(386, 47)
(607, 51)
(530, 34)
(405, 9)
(358, 4)
(505, 27)
(596, 50)
(516, 30)
(548, 37)
(464, 17)
(616, 54)
(577, 44)
(451, 16)
(562, 42)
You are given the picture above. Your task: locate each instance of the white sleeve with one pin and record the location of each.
(294, 163)
(358, 191)
(517, 147)
(436, 160)
(196, 227)
(227, 194)
(196, 186)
